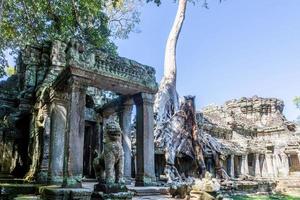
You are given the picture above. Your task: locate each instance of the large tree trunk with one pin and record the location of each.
(166, 100)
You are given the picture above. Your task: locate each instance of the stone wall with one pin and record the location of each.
(255, 134)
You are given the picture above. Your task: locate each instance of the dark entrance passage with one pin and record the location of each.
(294, 163)
(90, 145)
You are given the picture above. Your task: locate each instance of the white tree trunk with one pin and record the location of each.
(170, 51)
(166, 100)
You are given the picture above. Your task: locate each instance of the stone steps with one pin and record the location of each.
(289, 182)
(27, 197)
(12, 180)
(10, 191)
(148, 191)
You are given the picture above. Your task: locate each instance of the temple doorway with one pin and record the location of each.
(90, 145)
(294, 163)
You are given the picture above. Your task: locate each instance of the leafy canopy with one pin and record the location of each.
(204, 2)
(90, 21)
(297, 101)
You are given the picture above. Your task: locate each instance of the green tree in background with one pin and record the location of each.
(297, 101)
(90, 21)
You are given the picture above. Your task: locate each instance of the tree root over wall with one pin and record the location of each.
(181, 135)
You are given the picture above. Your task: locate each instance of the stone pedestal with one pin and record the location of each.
(74, 137)
(125, 122)
(108, 189)
(58, 193)
(104, 191)
(57, 135)
(144, 139)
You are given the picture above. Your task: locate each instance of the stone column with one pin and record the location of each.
(57, 136)
(43, 173)
(264, 171)
(74, 136)
(144, 139)
(244, 165)
(257, 172)
(275, 166)
(98, 130)
(231, 166)
(269, 162)
(125, 122)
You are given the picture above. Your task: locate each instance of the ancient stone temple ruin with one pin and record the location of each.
(256, 137)
(247, 143)
(54, 109)
(66, 121)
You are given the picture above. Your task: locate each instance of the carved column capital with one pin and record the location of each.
(74, 83)
(57, 96)
(143, 98)
(126, 105)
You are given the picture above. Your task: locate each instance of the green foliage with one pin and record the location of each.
(10, 70)
(123, 15)
(263, 197)
(204, 2)
(296, 101)
(27, 21)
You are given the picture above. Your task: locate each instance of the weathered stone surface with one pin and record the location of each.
(112, 196)
(144, 140)
(254, 127)
(57, 193)
(207, 184)
(55, 97)
(109, 165)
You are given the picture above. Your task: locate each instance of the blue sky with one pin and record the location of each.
(233, 49)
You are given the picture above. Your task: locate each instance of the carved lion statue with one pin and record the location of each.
(109, 165)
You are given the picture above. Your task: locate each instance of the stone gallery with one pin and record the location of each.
(69, 130)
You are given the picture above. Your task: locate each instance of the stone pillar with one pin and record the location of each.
(144, 139)
(231, 166)
(98, 130)
(264, 171)
(244, 165)
(74, 136)
(269, 162)
(125, 122)
(257, 172)
(275, 158)
(43, 173)
(57, 137)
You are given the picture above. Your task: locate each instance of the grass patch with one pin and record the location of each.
(264, 197)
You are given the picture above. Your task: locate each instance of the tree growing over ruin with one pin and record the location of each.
(92, 21)
(166, 101)
(169, 114)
